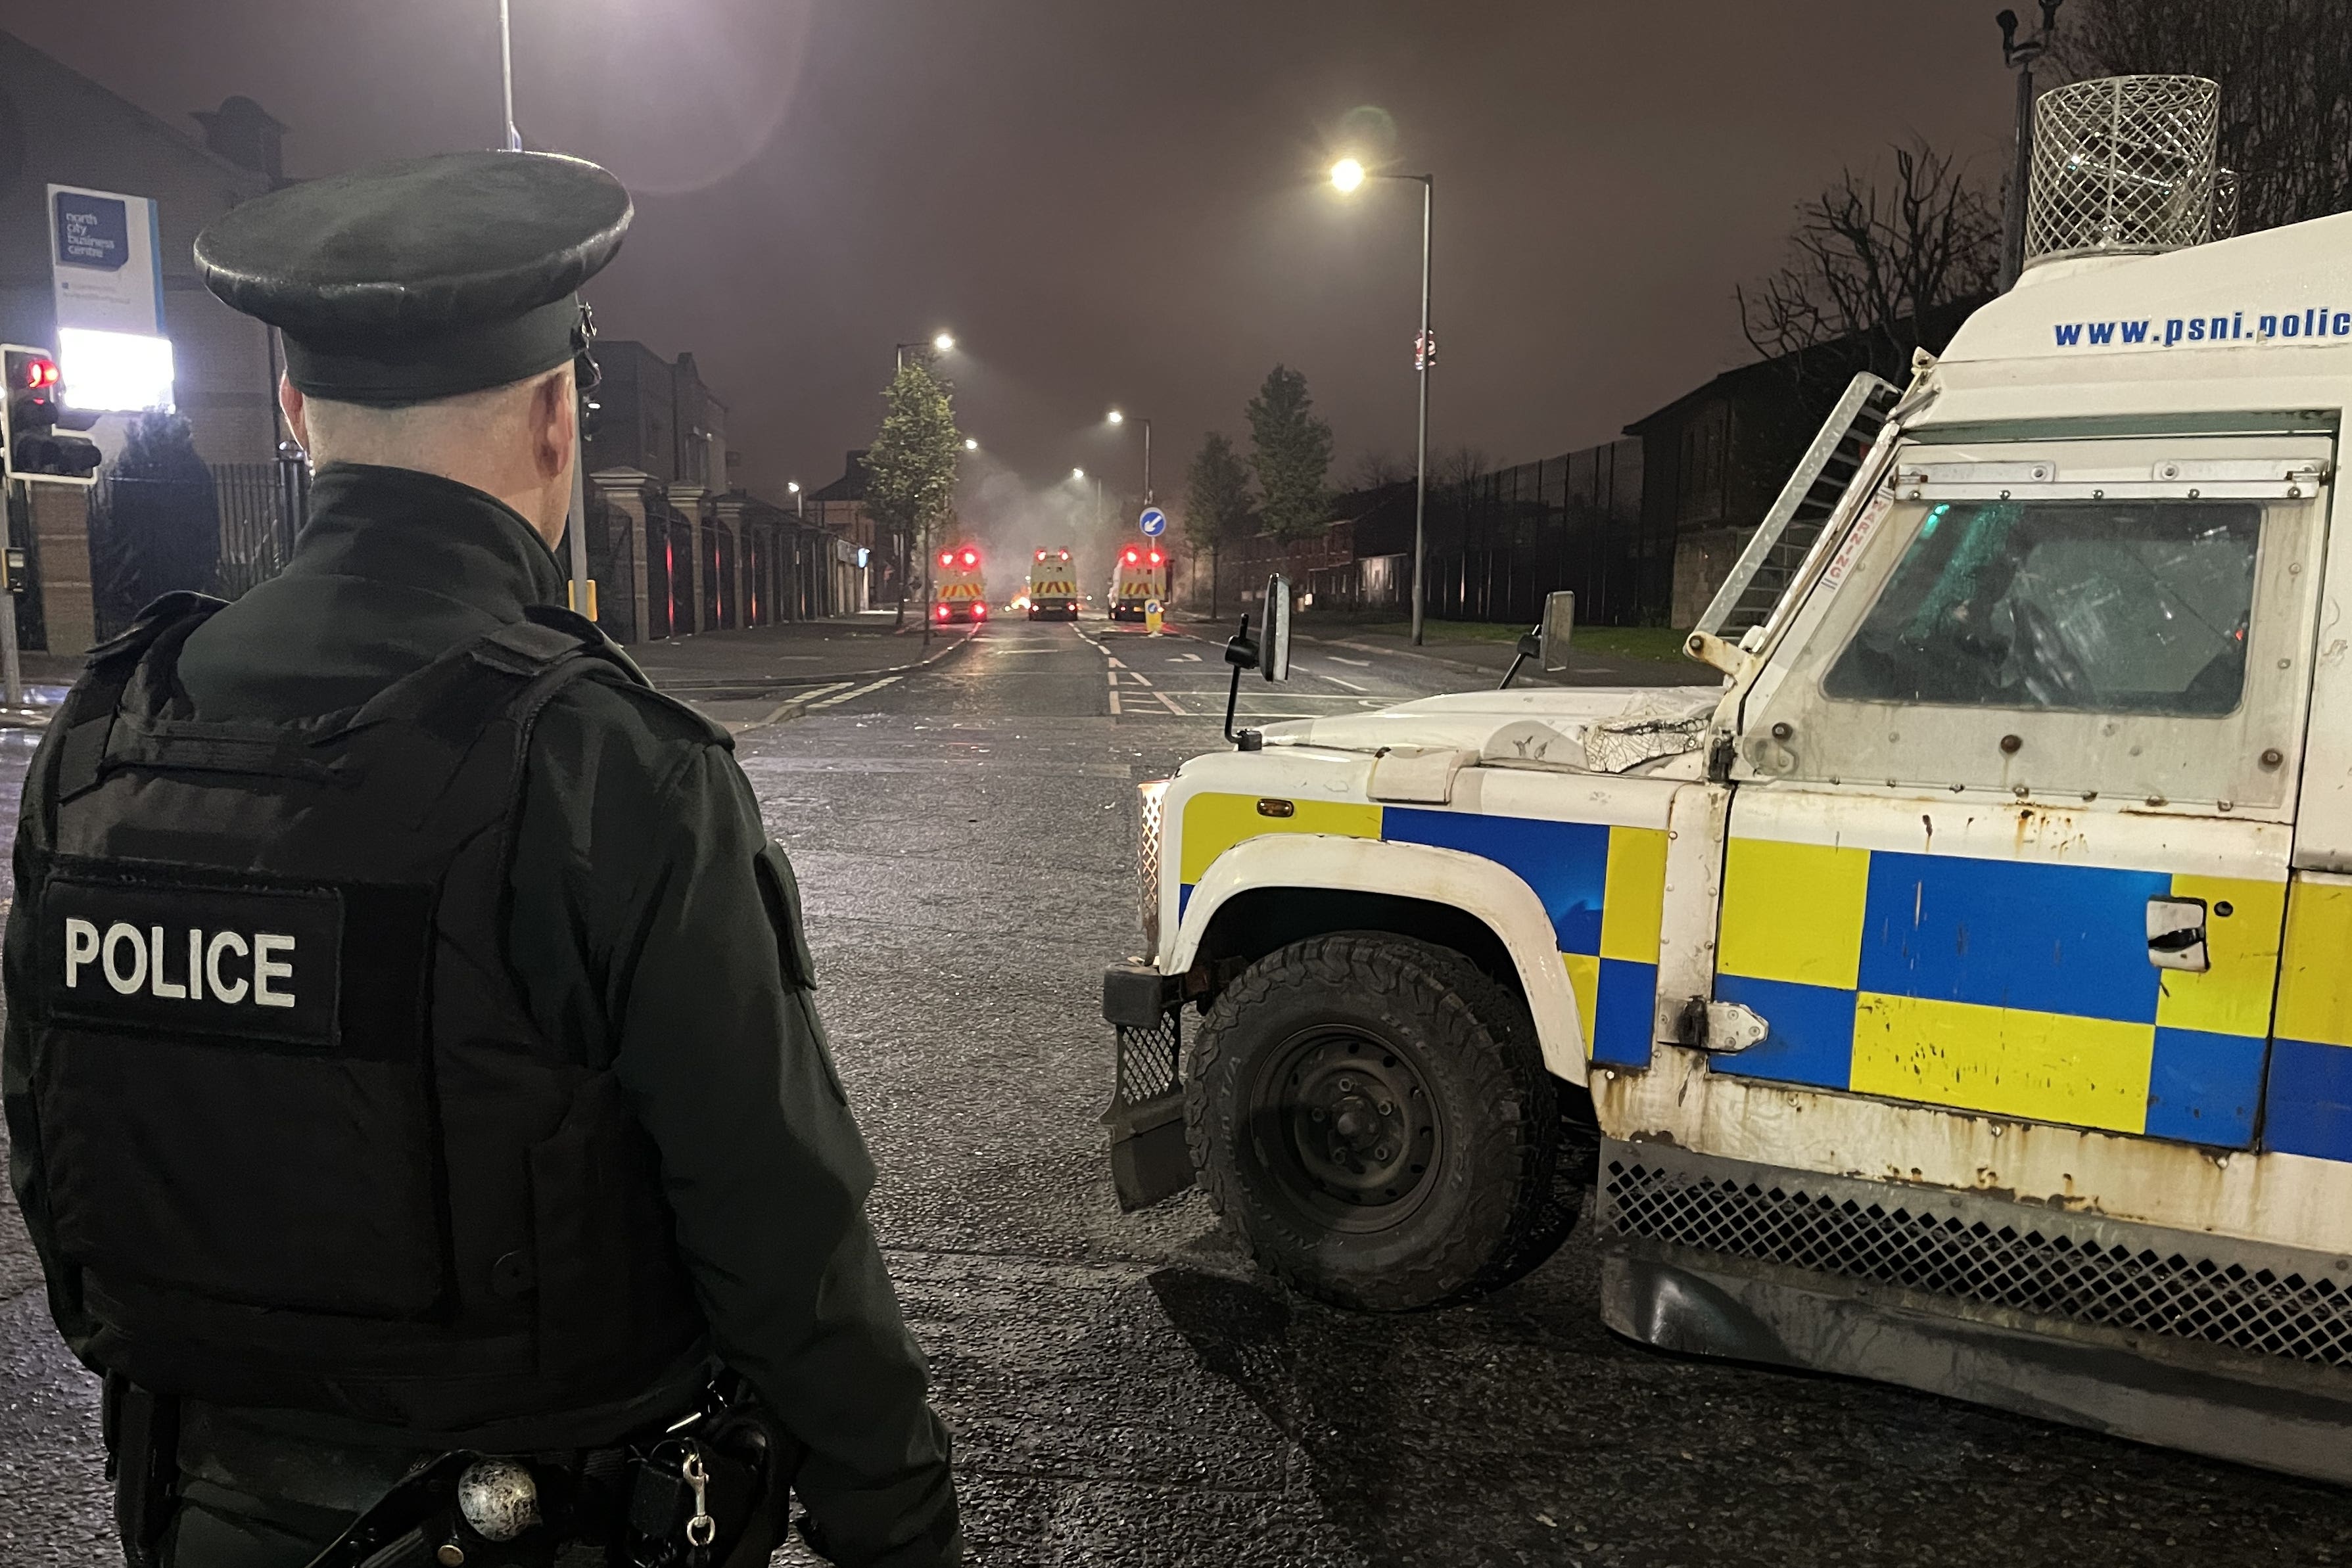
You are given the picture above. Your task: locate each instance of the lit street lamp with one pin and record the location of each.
(938, 343)
(800, 498)
(972, 443)
(1080, 475)
(1347, 174)
(1118, 418)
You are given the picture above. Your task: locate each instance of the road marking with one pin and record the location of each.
(1338, 682)
(862, 691)
(1113, 662)
(1340, 659)
(1135, 679)
(1184, 658)
(1169, 704)
(1115, 709)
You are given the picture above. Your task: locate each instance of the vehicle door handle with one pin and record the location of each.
(2175, 935)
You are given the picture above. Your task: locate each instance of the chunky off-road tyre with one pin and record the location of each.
(1371, 1114)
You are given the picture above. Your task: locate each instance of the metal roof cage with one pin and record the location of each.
(2126, 166)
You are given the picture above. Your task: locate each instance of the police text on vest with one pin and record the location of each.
(217, 963)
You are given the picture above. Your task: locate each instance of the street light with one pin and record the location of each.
(800, 499)
(1347, 174)
(972, 443)
(1118, 418)
(1078, 473)
(940, 344)
(2019, 55)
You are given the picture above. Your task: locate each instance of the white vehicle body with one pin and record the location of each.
(2002, 1048)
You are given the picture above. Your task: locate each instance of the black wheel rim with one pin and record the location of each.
(1344, 1131)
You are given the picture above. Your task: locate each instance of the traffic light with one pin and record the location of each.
(32, 406)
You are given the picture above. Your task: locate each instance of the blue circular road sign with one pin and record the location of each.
(1154, 522)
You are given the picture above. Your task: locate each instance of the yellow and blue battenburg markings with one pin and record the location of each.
(2308, 1107)
(1601, 887)
(2012, 987)
(2017, 989)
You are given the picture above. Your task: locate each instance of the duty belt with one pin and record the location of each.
(710, 1491)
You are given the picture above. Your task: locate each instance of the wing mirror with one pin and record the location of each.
(1548, 644)
(1270, 656)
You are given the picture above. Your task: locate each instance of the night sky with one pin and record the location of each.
(1121, 200)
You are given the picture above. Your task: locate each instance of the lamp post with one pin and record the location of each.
(576, 526)
(506, 71)
(1347, 174)
(1116, 417)
(2019, 55)
(938, 343)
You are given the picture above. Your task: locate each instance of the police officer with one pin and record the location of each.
(410, 1044)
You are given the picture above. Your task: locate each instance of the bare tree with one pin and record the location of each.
(1376, 467)
(1459, 467)
(2285, 71)
(1878, 264)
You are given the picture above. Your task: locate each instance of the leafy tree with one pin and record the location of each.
(1216, 502)
(1878, 265)
(910, 470)
(1290, 452)
(2285, 71)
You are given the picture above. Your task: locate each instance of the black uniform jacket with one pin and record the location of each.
(639, 928)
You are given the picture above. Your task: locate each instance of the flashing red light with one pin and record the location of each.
(971, 557)
(1041, 555)
(947, 558)
(1065, 555)
(941, 611)
(1131, 557)
(979, 611)
(1155, 558)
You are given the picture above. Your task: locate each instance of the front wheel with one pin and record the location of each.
(1372, 1117)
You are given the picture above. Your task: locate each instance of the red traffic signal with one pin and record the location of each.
(32, 405)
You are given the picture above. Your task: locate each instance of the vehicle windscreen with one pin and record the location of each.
(2116, 607)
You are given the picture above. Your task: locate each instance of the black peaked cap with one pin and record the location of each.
(424, 278)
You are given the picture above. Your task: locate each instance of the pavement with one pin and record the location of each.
(1125, 1389)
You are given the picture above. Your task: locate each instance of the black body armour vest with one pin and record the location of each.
(301, 1140)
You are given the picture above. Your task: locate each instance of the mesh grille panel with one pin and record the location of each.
(1925, 1242)
(2122, 164)
(1148, 863)
(1147, 1059)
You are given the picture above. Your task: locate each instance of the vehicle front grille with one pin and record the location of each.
(1147, 864)
(1150, 1061)
(2269, 1300)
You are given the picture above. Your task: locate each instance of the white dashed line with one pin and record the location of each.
(1115, 709)
(1360, 664)
(862, 691)
(1338, 682)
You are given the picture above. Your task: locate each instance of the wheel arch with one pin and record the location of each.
(1266, 893)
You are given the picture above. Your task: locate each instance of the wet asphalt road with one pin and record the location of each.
(1123, 1389)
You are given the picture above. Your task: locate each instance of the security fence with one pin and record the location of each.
(1499, 542)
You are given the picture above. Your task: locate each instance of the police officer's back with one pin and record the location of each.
(409, 1044)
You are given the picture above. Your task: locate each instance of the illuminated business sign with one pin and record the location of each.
(106, 274)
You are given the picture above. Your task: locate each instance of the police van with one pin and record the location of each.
(1138, 577)
(1053, 585)
(960, 592)
(1951, 986)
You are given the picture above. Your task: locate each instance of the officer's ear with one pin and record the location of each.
(554, 424)
(298, 411)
